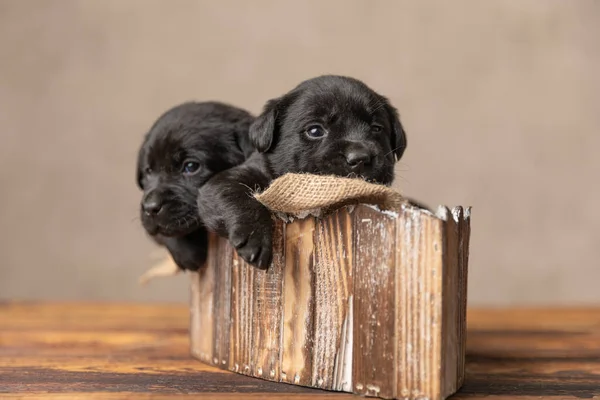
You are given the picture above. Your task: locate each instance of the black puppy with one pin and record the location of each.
(185, 147)
(326, 125)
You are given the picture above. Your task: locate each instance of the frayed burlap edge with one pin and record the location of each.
(301, 195)
(163, 268)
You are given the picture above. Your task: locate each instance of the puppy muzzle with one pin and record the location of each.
(165, 212)
(361, 160)
(358, 156)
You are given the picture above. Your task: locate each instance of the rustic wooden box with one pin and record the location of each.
(359, 301)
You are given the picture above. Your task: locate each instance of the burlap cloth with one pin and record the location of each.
(300, 195)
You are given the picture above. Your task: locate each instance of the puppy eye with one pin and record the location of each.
(189, 167)
(315, 132)
(376, 128)
(148, 171)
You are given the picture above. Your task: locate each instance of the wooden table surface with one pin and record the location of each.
(141, 351)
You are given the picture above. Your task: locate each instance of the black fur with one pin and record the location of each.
(362, 137)
(210, 136)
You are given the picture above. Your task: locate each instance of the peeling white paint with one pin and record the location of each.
(347, 360)
(442, 213)
(456, 213)
(467, 213)
(389, 213)
(374, 389)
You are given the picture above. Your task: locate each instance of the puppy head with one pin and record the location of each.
(331, 125)
(184, 148)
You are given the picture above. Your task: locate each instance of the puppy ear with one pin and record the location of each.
(140, 165)
(398, 139)
(262, 130)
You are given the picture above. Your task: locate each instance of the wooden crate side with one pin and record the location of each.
(450, 321)
(433, 245)
(374, 303)
(195, 345)
(333, 274)
(367, 302)
(464, 241)
(342, 374)
(298, 303)
(418, 319)
(222, 258)
(267, 298)
(242, 283)
(203, 317)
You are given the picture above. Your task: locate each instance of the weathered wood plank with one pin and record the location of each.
(463, 272)
(299, 298)
(203, 298)
(374, 303)
(419, 300)
(195, 312)
(267, 297)
(333, 285)
(222, 260)
(432, 268)
(450, 324)
(241, 311)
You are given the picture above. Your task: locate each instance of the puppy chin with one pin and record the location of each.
(378, 178)
(171, 227)
(151, 229)
(376, 173)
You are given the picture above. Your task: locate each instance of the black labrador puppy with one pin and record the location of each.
(326, 125)
(185, 147)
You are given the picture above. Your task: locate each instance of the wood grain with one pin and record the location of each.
(419, 299)
(267, 306)
(451, 344)
(374, 360)
(298, 317)
(463, 273)
(241, 313)
(333, 285)
(201, 323)
(115, 351)
(222, 301)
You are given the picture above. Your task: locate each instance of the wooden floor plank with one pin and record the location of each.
(120, 351)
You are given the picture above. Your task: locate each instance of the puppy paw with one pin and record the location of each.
(253, 243)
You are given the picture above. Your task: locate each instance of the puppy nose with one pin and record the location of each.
(152, 204)
(356, 157)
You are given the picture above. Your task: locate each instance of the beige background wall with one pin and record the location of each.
(500, 100)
